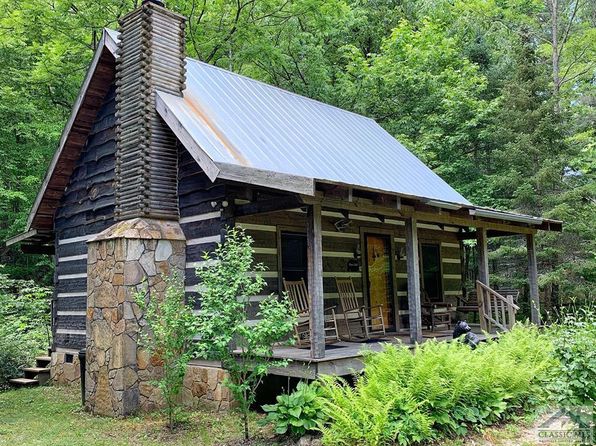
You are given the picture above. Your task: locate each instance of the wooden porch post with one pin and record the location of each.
(533, 279)
(482, 252)
(315, 281)
(414, 307)
(482, 246)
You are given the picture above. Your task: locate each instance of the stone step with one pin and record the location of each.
(43, 361)
(23, 382)
(42, 374)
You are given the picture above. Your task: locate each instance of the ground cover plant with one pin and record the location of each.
(298, 412)
(439, 390)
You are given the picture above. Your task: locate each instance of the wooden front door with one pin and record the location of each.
(379, 274)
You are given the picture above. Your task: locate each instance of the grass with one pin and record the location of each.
(53, 415)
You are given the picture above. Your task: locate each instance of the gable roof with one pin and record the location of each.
(244, 130)
(238, 122)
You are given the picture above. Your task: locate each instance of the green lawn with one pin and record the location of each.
(53, 416)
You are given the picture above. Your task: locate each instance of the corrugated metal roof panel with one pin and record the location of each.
(241, 121)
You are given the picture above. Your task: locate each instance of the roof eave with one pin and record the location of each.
(106, 43)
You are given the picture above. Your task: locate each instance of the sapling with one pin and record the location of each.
(168, 337)
(228, 281)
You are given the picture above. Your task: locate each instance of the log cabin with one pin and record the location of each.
(162, 153)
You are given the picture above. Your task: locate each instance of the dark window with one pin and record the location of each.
(294, 256)
(431, 271)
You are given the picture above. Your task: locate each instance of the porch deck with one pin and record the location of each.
(345, 358)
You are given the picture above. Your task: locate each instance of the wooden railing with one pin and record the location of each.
(496, 311)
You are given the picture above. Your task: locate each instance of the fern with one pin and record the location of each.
(440, 389)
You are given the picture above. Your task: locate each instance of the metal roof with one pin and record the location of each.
(242, 122)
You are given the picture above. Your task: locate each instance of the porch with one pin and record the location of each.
(415, 244)
(345, 358)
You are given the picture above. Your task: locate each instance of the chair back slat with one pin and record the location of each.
(347, 294)
(506, 292)
(299, 296)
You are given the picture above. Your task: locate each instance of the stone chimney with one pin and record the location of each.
(151, 56)
(146, 244)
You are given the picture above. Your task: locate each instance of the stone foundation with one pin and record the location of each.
(203, 387)
(62, 372)
(129, 257)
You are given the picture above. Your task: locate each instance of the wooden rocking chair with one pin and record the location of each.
(300, 298)
(370, 325)
(436, 313)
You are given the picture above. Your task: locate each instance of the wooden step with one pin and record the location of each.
(23, 382)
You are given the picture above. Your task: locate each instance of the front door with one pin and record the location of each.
(379, 274)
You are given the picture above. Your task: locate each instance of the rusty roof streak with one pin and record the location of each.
(203, 115)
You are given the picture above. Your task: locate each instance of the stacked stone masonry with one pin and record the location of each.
(130, 257)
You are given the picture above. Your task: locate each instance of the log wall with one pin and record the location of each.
(339, 249)
(86, 209)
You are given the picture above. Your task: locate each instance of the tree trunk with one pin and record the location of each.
(556, 57)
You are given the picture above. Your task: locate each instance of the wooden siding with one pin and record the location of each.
(339, 248)
(201, 222)
(86, 208)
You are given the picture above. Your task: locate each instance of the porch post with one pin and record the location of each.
(481, 243)
(533, 279)
(315, 281)
(414, 307)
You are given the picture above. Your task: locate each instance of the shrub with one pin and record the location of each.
(25, 325)
(245, 350)
(439, 389)
(297, 413)
(574, 341)
(171, 328)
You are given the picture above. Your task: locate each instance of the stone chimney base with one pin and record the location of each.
(123, 260)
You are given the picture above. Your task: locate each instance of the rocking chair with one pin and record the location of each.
(300, 298)
(370, 325)
(436, 313)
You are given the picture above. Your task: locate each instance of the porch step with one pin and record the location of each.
(43, 361)
(41, 374)
(23, 382)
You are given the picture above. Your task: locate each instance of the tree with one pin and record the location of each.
(168, 335)
(244, 349)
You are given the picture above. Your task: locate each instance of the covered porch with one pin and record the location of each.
(333, 235)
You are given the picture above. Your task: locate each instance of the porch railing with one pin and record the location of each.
(495, 310)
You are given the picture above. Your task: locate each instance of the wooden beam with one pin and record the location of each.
(269, 205)
(315, 281)
(533, 280)
(482, 248)
(413, 266)
(402, 211)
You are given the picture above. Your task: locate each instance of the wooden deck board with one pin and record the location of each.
(345, 358)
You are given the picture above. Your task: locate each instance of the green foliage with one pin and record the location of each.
(440, 389)
(468, 85)
(574, 346)
(170, 328)
(227, 283)
(297, 413)
(25, 327)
